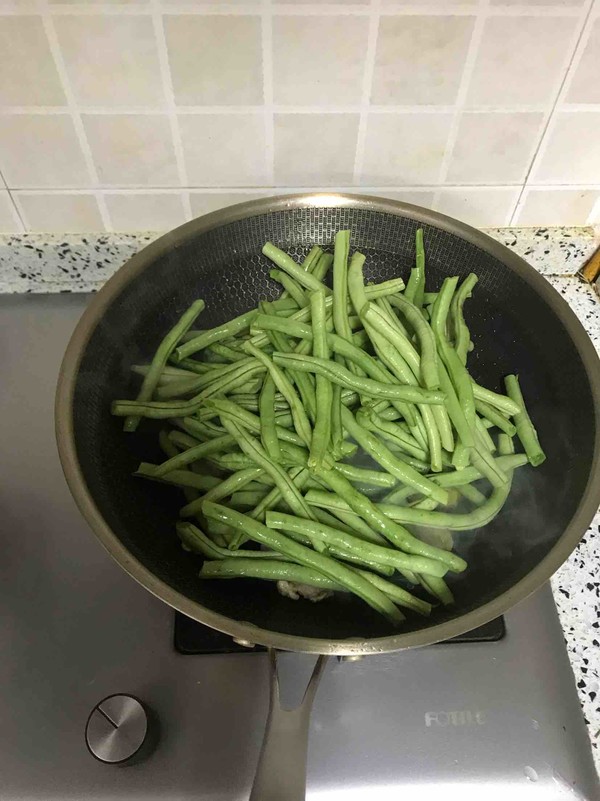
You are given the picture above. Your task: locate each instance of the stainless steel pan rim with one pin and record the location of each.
(247, 631)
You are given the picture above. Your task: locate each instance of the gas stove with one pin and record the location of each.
(496, 713)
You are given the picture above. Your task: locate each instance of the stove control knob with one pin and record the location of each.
(118, 730)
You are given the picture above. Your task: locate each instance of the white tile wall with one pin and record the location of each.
(70, 213)
(139, 114)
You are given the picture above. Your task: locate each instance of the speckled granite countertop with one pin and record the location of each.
(82, 263)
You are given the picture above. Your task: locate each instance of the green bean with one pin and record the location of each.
(193, 366)
(525, 429)
(159, 360)
(334, 539)
(438, 588)
(201, 429)
(281, 479)
(360, 474)
(390, 431)
(233, 483)
(304, 381)
(444, 427)
(251, 421)
(321, 435)
(394, 366)
(291, 286)
(217, 373)
(321, 268)
(230, 462)
(400, 495)
(371, 367)
(396, 534)
(311, 259)
(288, 265)
(160, 410)
(356, 283)
(383, 456)
(299, 477)
(182, 478)
(167, 447)
(495, 417)
(433, 438)
(284, 305)
(461, 457)
(428, 367)
(415, 289)
(294, 455)
(354, 557)
(398, 595)
(267, 570)
(283, 384)
(385, 288)
(470, 474)
(457, 373)
(167, 375)
(350, 523)
(218, 334)
(375, 318)
(401, 514)
(268, 429)
(340, 284)
(472, 494)
(249, 402)
(219, 533)
(484, 461)
(455, 409)
(501, 402)
(484, 435)
(193, 454)
(278, 570)
(339, 573)
(226, 352)
(450, 520)
(367, 386)
(427, 503)
(190, 489)
(247, 499)
(461, 332)
(372, 292)
(259, 483)
(292, 328)
(197, 540)
(390, 414)
(337, 431)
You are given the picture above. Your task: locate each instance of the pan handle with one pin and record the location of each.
(281, 771)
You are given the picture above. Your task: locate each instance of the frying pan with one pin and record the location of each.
(518, 324)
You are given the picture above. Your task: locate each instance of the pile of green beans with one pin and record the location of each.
(307, 433)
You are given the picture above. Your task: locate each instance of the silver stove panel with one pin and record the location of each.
(460, 720)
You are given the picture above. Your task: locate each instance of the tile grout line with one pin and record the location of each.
(266, 37)
(21, 213)
(170, 190)
(283, 109)
(369, 70)
(169, 94)
(61, 69)
(14, 208)
(594, 215)
(291, 9)
(461, 95)
(575, 53)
